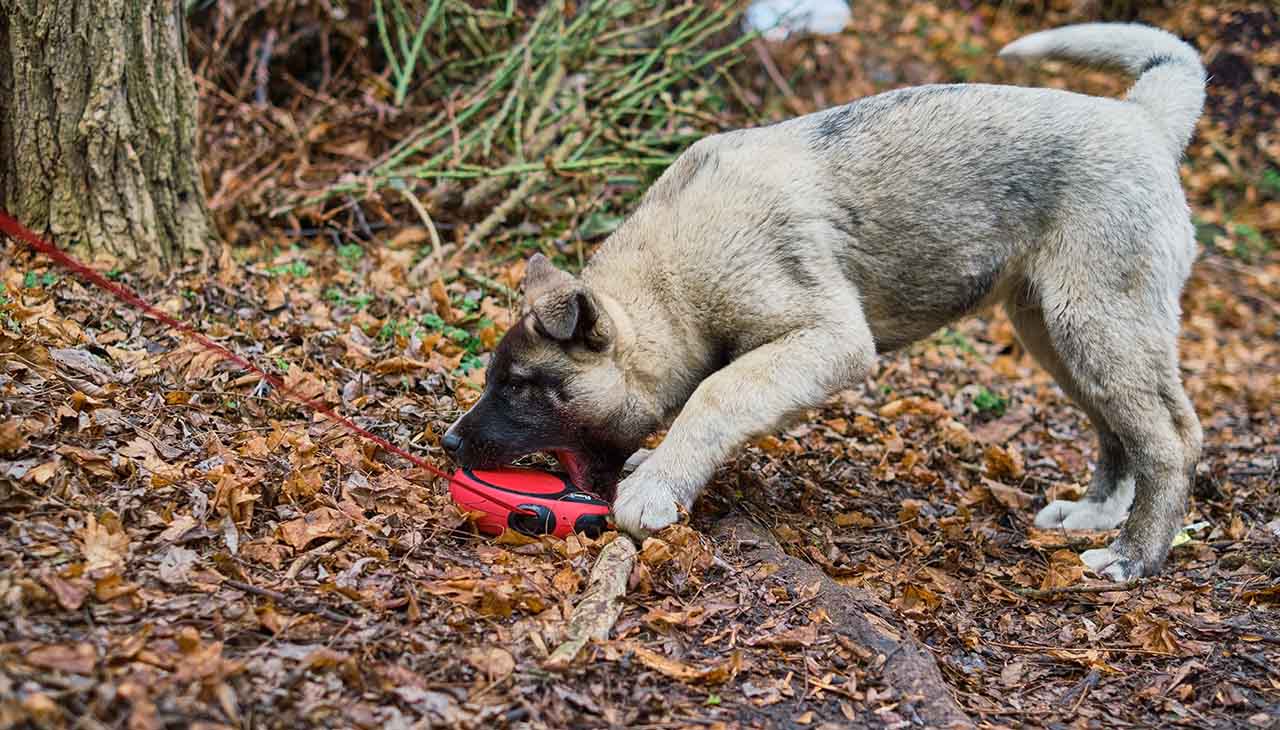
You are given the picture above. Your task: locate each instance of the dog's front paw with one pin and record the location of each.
(1081, 515)
(644, 506)
(1112, 564)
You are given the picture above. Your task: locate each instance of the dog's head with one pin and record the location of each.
(555, 385)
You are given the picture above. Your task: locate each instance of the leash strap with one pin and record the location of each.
(15, 230)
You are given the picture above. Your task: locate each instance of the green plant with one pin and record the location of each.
(648, 67)
(1250, 242)
(1270, 182)
(349, 254)
(599, 223)
(469, 362)
(6, 318)
(34, 280)
(432, 322)
(396, 328)
(403, 53)
(293, 268)
(957, 340)
(989, 402)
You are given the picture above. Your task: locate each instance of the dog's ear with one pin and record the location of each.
(563, 308)
(542, 276)
(573, 315)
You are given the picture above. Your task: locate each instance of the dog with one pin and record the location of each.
(766, 268)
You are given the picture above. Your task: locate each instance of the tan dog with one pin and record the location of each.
(768, 267)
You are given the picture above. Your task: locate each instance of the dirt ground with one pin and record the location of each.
(180, 548)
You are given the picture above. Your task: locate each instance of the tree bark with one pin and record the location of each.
(98, 128)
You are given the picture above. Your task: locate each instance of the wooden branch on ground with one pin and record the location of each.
(1054, 592)
(286, 601)
(908, 667)
(310, 556)
(600, 606)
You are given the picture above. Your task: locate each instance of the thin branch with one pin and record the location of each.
(287, 602)
(1051, 592)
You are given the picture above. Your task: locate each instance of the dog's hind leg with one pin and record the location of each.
(1106, 503)
(1114, 330)
(750, 396)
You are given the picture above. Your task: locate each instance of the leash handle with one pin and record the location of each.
(15, 230)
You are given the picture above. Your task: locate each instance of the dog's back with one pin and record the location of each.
(880, 191)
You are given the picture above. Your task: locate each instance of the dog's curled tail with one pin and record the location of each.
(1171, 78)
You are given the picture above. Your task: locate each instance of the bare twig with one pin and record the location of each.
(771, 68)
(310, 556)
(286, 601)
(262, 74)
(517, 196)
(437, 251)
(1051, 592)
(1112, 649)
(600, 606)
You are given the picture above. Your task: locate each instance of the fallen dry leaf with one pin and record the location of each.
(12, 440)
(1065, 569)
(75, 659)
(70, 593)
(494, 663)
(96, 464)
(1004, 462)
(102, 546)
(1011, 498)
(683, 672)
(318, 523)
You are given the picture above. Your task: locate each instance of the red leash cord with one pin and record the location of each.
(15, 230)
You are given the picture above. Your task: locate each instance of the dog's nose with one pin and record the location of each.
(451, 443)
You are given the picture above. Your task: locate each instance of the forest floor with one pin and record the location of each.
(179, 548)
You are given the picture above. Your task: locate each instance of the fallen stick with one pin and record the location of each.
(310, 556)
(1053, 592)
(859, 616)
(600, 606)
(287, 602)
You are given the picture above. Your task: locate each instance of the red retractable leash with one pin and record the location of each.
(526, 500)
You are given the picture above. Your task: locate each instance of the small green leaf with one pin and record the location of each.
(988, 402)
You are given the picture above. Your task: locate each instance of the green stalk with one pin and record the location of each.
(402, 86)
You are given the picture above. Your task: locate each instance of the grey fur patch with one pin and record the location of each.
(793, 266)
(1155, 61)
(675, 179)
(840, 121)
(780, 231)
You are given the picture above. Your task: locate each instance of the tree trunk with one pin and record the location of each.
(98, 128)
